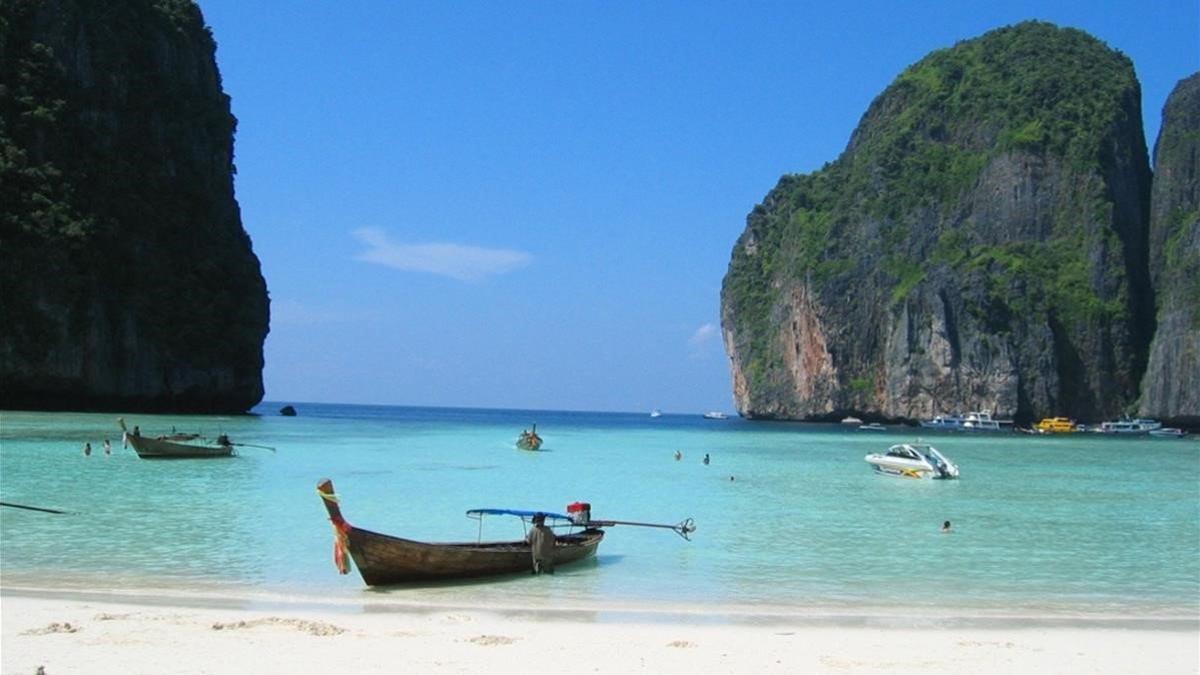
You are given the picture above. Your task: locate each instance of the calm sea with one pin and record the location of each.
(789, 516)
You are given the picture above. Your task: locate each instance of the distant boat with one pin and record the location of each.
(714, 415)
(944, 422)
(873, 426)
(982, 421)
(1128, 426)
(850, 420)
(656, 413)
(529, 440)
(1055, 425)
(913, 460)
(176, 446)
(1168, 432)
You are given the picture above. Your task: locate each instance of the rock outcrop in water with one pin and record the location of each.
(981, 243)
(128, 280)
(1171, 388)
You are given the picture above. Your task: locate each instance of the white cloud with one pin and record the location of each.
(700, 340)
(465, 263)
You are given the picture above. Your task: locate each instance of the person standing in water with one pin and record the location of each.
(87, 449)
(706, 459)
(541, 545)
(946, 527)
(107, 448)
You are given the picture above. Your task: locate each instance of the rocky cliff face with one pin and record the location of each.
(980, 244)
(128, 281)
(1171, 388)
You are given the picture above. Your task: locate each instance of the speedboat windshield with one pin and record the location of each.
(903, 451)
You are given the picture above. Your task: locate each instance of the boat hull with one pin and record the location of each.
(1168, 432)
(913, 461)
(527, 444)
(385, 560)
(156, 448)
(902, 470)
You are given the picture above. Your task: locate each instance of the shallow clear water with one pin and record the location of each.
(1075, 525)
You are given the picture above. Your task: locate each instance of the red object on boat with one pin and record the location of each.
(580, 512)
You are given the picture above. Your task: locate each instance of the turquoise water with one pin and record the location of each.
(1080, 525)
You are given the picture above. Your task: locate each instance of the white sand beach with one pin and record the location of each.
(102, 633)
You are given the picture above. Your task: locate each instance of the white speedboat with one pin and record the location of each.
(851, 420)
(714, 415)
(873, 426)
(656, 413)
(1168, 432)
(913, 460)
(1128, 426)
(944, 422)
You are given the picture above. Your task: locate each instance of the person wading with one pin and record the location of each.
(541, 545)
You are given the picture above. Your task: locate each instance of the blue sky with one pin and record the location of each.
(532, 204)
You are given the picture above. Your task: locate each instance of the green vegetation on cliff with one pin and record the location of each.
(123, 250)
(992, 162)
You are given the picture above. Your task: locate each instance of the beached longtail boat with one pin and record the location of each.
(175, 447)
(383, 559)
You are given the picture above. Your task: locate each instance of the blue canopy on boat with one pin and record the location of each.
(519, 513)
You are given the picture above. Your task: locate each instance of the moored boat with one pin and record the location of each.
(873, 426)
(913, 460)
(384, 559)
(943, 422)
(1055, 425)
(1140, 425)
(982, 421)
(1168, 432)
(529, 439)
(850, 420)
(176, 446)
(656, 413)
(715, 415)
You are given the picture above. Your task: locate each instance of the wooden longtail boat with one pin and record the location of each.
(529, 440)
(174, 447)
(383, 559)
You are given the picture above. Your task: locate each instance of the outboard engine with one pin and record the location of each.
(945, 468)
(580, 513)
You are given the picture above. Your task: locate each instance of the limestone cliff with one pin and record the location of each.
(128, 281)
(1171, 388)
(981, 243)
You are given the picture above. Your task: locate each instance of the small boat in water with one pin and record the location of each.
(1168, 432)
(714, 415)
(1128, 426)
(383, 559)
(913, 460)
(1055, 425)
(851, 421)
(656, 413)
(529, 439)
(982, 421)
(944, 422)
(873, 426)
(176, 446)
